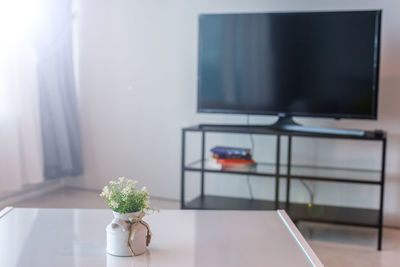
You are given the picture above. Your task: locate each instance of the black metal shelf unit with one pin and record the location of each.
(297, 211)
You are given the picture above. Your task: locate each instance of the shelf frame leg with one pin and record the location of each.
(380, 223)
(183, 169)
(277, 169)
(203, 145)
(289, 167)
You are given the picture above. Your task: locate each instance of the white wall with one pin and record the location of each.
(136, 63)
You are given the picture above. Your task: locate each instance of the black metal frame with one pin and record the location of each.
(291, 208)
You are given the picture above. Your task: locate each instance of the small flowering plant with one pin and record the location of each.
(122, 196)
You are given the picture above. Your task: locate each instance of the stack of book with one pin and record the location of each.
(231, 158)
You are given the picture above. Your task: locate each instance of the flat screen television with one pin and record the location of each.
(317, 64)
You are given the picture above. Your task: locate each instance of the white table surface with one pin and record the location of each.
(77, 237)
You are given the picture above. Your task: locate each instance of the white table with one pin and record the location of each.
(76, 237)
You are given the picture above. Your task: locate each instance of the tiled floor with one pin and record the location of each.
(335, 245)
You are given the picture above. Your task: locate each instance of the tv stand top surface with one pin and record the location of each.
(293, 130)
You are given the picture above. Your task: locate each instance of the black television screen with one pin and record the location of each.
(322, 64)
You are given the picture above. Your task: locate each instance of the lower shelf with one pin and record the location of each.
(296, 211)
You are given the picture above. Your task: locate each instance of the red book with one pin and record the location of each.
(235, 161)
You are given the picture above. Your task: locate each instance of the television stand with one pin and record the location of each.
(346, 215)
(287, 124)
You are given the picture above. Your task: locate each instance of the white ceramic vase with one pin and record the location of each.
(118, 234)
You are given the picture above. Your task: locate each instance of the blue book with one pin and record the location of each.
(222, 150)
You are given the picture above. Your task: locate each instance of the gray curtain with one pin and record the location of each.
(57, 95)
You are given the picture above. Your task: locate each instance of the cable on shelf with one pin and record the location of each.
(304, 183)
(310, 192)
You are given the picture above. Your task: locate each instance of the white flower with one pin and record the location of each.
(113, 183)
(114, 204)
(144, 189)
(105, 192)
(127, 190)
(121, 180)
(131, 182)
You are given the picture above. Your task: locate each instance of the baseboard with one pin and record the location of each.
(31, 192)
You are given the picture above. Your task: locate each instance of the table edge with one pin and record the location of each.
(310, 254)
(5, 211)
